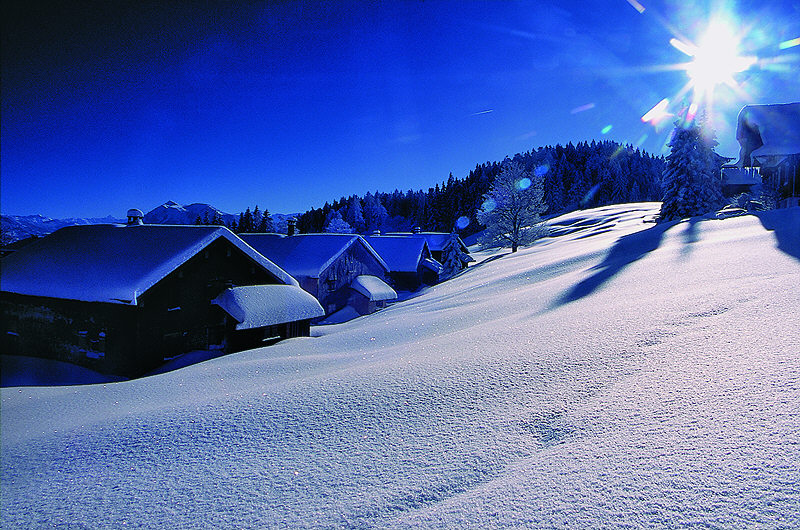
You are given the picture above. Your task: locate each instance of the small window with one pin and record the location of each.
(83, 340)
(228, 253)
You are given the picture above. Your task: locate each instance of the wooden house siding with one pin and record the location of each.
(333, 284)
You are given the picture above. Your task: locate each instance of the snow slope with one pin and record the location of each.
(618, 373)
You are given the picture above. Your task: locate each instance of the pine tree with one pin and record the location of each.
(256, 219)
(511, 208)
(266, 225)
(336, 225)
(453, 257)
(355, 215)
(690, 182)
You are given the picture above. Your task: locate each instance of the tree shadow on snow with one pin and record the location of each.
(626, 250)
(690, 236)
(786, 227)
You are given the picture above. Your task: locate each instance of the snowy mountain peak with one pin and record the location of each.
(172, 213)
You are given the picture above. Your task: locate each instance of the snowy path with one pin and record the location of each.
(618, 374)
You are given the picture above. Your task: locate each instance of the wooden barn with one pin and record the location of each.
(410, 262)
(122, 299)
(324, 264)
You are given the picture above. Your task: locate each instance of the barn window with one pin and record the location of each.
(228, 253)
(83, 340)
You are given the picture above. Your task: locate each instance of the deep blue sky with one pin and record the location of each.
(112, 105)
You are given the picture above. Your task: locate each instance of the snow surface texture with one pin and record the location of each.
(112, 263)
(615, 374)
(373, 288)
(256, 306)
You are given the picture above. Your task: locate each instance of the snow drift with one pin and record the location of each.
(618, 373)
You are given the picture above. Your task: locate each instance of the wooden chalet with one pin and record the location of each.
(325, 265)
(410, 262)
(769, 136)
(436, 243)
(122, 299)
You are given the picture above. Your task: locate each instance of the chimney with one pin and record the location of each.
(290, 222)
(135, 217)
(417, 230)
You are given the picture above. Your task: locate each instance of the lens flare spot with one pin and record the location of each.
(582, 108)
(489, 205)
(524, 183)
(636, 5)
(789, 44)
(606, 129)
(542, 170)
(590, 195)
(658, 113)
(462, 222)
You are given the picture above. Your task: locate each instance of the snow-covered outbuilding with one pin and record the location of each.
(436, 243)
(325, 265)
(370, 293)
(410, 261)
(121, 299)
(769, 136)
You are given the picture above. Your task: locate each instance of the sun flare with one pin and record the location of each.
(715, 59)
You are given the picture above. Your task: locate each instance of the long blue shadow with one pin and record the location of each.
(690, 236)
(785, 223)
(626, 250)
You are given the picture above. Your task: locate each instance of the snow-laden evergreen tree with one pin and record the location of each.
(453, 257)
(336, 225)
(511, 208)
(354, 215)
(691, 180)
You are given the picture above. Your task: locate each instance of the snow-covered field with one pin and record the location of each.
(617, 374)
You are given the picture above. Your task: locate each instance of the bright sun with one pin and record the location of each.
(715, 59)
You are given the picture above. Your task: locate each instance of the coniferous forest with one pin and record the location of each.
(585, 175)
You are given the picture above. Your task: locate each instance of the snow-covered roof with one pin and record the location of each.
(306, 254)
(401, 254)
(373, 288)
(778, 126)
(256, 306)
(112, 263)
(436, 240)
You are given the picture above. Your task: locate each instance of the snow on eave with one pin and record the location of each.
(778, 126)
(373, 288)
(257, 306)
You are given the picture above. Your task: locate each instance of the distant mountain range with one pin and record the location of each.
(16, 227)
